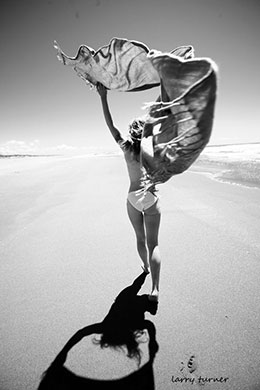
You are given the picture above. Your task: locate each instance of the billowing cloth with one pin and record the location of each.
(121, 65)
(185, 112)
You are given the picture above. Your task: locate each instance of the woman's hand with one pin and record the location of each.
(101, 89)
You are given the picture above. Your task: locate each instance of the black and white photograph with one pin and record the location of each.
(130, 194)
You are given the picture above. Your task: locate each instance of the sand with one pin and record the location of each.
(67, 249)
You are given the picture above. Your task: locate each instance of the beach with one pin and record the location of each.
(67, 249)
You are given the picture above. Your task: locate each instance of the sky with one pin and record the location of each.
(46, 107)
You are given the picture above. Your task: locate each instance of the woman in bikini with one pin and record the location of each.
(143, 208)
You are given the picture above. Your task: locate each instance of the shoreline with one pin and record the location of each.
(241, 172)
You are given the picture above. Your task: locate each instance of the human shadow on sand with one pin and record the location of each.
(122, 327)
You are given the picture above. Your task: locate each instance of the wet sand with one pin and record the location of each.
(67, 249)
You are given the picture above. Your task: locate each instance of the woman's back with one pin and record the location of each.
(134, 167)
(135, 171)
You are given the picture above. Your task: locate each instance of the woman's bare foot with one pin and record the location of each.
(145, 269)
(154, 296)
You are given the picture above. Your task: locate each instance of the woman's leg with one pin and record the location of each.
(136, 218)
(152, 217)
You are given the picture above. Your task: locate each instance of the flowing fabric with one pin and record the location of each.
(121, 65)
(184, 111)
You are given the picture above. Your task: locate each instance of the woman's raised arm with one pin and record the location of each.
(108, 118)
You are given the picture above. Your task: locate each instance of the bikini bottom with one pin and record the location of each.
(142, 201)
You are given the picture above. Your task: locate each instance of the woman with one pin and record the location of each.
(142, 207)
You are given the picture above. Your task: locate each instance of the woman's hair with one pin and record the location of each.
(136, 129)
(118, 338)
(135, 133)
